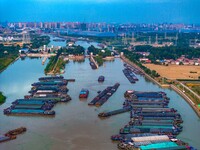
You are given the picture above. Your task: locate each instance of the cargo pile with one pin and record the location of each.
(153, 125)
(43, 96)
(103, 96)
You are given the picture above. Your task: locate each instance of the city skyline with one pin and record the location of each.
(128, 11)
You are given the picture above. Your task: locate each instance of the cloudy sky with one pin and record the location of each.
(120, 11)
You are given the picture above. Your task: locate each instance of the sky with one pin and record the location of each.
(111, 11)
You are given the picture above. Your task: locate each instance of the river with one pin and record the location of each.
(76, 125)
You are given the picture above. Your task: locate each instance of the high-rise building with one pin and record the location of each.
(83, 26)
(41, 24)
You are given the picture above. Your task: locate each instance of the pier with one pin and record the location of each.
(44, 60)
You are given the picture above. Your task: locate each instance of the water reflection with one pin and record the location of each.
(76, 125)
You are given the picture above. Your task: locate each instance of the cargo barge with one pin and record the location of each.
(51, 99)
(153, 122)
(151, 129)
(12, 134)
(153, 142)
(32, 102)
(53, 83)
(55, 78)
(10, 111)
(49, 88)
(114, 112)
(93, 66)
(84, 93)
(101, 79)
(149, 114)
(43, 96)
(123, 137)
(51, 78)
(130, 75)
(103, 96)
(47, 97)
(135, 70)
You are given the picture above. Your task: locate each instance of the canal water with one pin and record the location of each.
(76, 125)
(63, 43)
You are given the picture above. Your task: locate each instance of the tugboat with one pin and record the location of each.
(84, 93)
(101, 79)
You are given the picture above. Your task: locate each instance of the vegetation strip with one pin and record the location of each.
(2, 98)
(55, 64)
(8, 54)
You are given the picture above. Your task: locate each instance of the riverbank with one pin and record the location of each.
(77, 57)
(188, 100)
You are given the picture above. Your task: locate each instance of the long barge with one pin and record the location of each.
(155, 109)
(102, 97)
(157, 114)
(122, 137)
(49, 88)
(146, 106)
(53, 83)
(49, 95)
(148, 129)
(46, 97)
(10, 111)
(130, 75)
(135, 70)
(51, 78)
(148, 103)
(155, 121)
(51, 99)
(12, 134)
(131, 93)
(32, 102)
(55, 78)
(114, 112)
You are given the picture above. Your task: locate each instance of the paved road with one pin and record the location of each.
(185, 87)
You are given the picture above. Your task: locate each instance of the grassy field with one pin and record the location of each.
(176, 71)
(4, 62)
